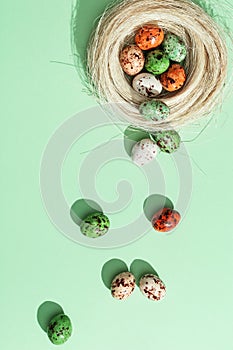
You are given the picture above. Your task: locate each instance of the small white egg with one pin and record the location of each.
(147, 85)
(123, 285)
(144, 152)
(152, 287)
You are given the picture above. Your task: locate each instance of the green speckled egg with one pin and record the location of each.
(95, 225)
(174, 47)
(168, 141)
(157, 62)
(59, 329)
(154, 110)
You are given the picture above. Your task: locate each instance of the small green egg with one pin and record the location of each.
(168, 140)
(154, 110)
(157, 62)
(174, 47)
(59, 329)
(95, 225)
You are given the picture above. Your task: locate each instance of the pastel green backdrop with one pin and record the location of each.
(38, 263)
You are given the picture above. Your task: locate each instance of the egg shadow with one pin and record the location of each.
(85, 17)
(83, 207)
(140, 268)
(132, 136)
(46, 311)
(154, 203)
(112, 268)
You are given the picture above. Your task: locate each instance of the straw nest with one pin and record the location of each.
(205, 64)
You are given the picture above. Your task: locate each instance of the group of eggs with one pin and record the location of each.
(145, 150)
(163, 71)
(159, 55)
(97, 224)
(150, 285)
(59, 328)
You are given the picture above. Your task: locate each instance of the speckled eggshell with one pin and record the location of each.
(147, 84)
(174, 78)
(95, 225)
(149, 37)
(168, 141)
(154, 110)
(59, 329)
(152, 287)
(174, 47)
(165, 220)
(157, 62)
(123, 285)
(144, 152)
(132, 60)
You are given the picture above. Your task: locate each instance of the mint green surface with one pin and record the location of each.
(38, 263)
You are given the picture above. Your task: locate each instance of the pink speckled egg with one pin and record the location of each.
(132, 59)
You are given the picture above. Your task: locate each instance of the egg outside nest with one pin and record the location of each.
(59, 329)
(152, 287)
(123, 285)
(165, 220)
(95, 225)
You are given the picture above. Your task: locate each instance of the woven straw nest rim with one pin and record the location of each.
(205, 64)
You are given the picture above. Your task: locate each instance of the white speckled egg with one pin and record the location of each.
(147, 85)
(123, 285)
(144, 152)
(152, 287)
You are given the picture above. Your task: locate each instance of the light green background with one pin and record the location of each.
(38, 263)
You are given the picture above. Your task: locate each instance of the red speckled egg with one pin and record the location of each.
(165, 220)
(132, 59)
(174, 78)
(149, 37)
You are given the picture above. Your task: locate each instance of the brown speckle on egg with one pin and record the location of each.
(132, 60)
(174, 78)
(123, 285)
(149, 37)
(152, 287)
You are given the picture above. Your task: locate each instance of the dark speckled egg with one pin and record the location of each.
(174, 78)
(152, 287)
(154, 110)
(59, 329)
(157, 62)
(132, 60)
(95, 225)
(168, 140)
(165, 220)
(174, 47)
(149, 37)
(123, 285)
(147, 84)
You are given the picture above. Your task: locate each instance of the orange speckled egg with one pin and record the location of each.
(174, 78)
(132, 59)
(149, 37)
